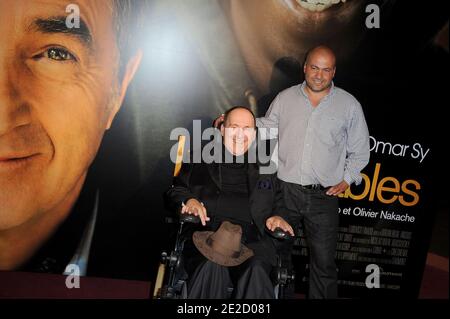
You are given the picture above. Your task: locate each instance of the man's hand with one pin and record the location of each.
(219, 121)
(338, 189)
(194, 207)
(276, 221)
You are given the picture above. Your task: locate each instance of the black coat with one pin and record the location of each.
(203, 182)
(127, 241)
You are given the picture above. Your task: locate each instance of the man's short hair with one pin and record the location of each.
(227, 113)
(128, 19)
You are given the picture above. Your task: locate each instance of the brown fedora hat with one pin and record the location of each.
(223, 246)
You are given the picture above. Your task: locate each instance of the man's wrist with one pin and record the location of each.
(348, 179)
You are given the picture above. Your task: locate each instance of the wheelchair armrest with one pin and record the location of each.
(278, 233)
(187, 218)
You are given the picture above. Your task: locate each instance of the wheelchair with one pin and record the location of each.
(171, 281)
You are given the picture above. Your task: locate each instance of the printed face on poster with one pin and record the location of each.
(91, 94)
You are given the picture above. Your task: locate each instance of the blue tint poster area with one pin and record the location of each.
(383, 235)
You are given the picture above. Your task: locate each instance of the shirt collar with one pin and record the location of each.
(331, 93)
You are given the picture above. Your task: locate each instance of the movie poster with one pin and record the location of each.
(92, 94)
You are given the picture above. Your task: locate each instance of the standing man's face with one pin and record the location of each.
(319, 71)
(59, 92)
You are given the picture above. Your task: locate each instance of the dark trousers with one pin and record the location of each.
(250, 280)
(319, 214)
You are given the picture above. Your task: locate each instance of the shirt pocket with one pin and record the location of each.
(331, 130)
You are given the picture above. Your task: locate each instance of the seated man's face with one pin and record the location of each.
(238, 131)
(59, 91)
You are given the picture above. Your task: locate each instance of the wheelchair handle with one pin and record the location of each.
(278, 233)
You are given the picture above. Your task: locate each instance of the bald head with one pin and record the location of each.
(239, 112)
(319, 68)
(322, 52)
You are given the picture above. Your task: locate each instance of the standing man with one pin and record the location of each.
(323, 144)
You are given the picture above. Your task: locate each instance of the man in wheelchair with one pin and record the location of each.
(235, 203)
